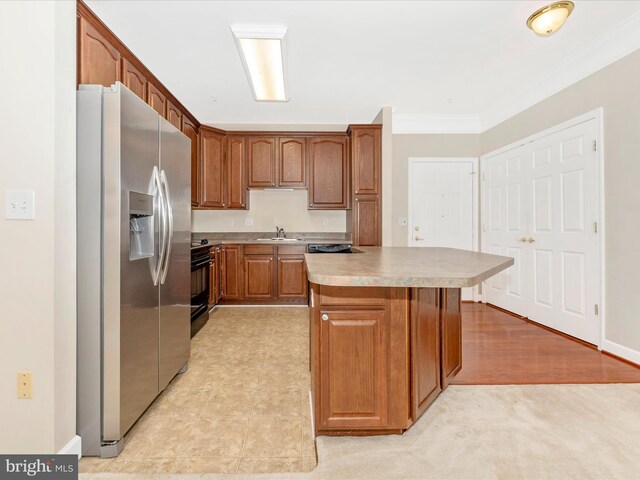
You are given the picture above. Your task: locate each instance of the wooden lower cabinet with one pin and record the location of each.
(231, 272)
(354, 368)
(258, 277)
(377, 355)
(214, 275)
(425, 349)
(451, 334)
(292, 277)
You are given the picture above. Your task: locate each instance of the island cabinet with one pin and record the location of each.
(328, 172)
(377, 355)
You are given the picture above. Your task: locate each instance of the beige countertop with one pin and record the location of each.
(404, 267)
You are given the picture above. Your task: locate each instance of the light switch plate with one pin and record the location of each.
(25, 385)
(20, 205)
(402, 222)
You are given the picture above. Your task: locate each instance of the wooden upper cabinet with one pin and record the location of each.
(236, 179)
(212, 148)
(367, 223)
(156, 99)
(292, 162)
(261, 159)
(366, 158)
(329, 173)
(354, 369)
(99, 60)
(174, 115)
(134, 80)
(189, 129)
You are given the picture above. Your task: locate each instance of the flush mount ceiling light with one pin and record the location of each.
(549, 19)
(262, 49)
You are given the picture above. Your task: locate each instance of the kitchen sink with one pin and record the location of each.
(278, 239)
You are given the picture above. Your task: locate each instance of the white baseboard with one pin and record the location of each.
(621, 351)
(73, 447)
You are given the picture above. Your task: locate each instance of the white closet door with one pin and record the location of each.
(505, 227)
(541, 204)
(564, 246)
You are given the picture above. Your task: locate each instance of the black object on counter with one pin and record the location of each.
(329, 248)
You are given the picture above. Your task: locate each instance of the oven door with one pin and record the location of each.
(199, 287)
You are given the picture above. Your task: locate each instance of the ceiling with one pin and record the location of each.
(347, 59)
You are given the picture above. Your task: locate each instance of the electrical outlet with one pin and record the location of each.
(402, 222)
(20, 205)
(230, 222)
(24, 384)
(248, 222)
(325, 222)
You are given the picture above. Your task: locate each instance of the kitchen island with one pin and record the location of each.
(385, 333)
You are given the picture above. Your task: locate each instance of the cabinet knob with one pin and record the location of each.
(325, 317)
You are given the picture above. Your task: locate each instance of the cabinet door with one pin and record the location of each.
(366, 158)
(174, 115)
(134, 80)
(236, 187)
(99, 60)
(292, 277)
(258, 276)
(451, 334)
(156, 99)
(261, 156)
(354, 368)
(425, 349)
(231, 273)
(292, 162)
(366, 218)
(189, 129)
(212, 169)
(329, 173)
(218, 279)
(213, 270)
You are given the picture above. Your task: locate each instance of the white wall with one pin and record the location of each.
(37, 257)
(287, 209)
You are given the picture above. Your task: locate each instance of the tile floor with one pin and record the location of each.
(243, 405)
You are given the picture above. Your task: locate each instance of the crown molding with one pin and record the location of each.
(614, 44)
(418, 123)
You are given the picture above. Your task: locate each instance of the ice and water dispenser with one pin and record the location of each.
(140, 226)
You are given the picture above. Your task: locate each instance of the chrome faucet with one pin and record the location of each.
(280, 232)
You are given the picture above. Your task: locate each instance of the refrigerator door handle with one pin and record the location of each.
(169, 225)
(162, 228)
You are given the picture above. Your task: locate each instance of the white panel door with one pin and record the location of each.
(442, 206)
(564, 244)
(541, 202)
(505, 225)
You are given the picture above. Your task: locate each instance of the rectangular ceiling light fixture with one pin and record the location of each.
(262, 49)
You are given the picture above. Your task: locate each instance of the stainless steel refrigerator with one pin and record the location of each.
(133, 235)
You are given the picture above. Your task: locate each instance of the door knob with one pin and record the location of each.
(419, 238)
(531, 240)
(325, 317)
(417, 229)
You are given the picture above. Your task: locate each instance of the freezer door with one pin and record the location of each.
(175, 291)
(130, 230)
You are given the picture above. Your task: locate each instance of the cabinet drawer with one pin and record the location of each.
(292, 249)
(259, 249)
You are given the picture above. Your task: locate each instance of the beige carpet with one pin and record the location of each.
(493, 432)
